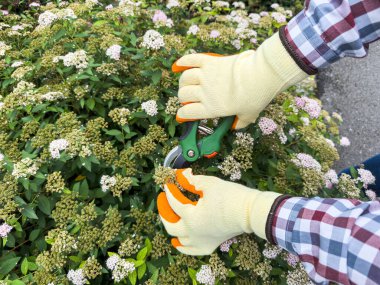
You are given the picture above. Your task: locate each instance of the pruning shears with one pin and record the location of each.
(190, 148)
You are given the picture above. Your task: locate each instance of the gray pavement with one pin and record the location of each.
(351, 87)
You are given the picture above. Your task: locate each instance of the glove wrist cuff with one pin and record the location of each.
(260, 210)
(281, 61)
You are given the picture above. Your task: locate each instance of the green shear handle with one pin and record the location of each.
(208, 146)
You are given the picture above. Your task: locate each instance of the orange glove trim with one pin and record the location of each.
(182, 180)
(179, 68)
(175, 242)
(165, 210)
(179, 195)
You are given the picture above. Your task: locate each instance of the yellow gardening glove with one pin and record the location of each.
(224, 210)
(242, 84)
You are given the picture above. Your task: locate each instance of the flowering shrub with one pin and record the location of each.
(87, 116)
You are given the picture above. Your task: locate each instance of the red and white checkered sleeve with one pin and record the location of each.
(337, 240)
(327, 30)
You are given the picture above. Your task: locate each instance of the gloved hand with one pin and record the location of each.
(242, 84)
(224, 210)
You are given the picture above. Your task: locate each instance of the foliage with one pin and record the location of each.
(87, 116)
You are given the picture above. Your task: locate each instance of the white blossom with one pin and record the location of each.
(56, 146)
(112, 261)
(153, 40)
(307, 161)
(47, 18)
(193, 30)
(77, 277)
(205, 275)
(5, 229)
(366, 177)
(77, 59)
(172, 3)
(17, 63)
(113, 52)
(3, 48)
(344, 141)
(150, 107)
(107, 182)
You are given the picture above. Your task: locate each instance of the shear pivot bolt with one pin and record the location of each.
(191, 153)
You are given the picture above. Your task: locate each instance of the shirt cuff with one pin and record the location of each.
(306, 44)
(283, 222)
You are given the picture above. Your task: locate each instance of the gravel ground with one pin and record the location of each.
(351, 87)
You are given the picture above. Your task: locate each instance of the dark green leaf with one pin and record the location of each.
(34, 234)
(44, 205)
(7, 265)
(24, 266)
(29, 212)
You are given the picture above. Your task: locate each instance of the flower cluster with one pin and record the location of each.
(56, 146)
(205, 275)
(307, 161)
(78, 59)
(153, 40)
(5, 229)
(267, 125)
(113, 52)
(120, 268)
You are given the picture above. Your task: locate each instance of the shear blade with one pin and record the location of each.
(175, 160)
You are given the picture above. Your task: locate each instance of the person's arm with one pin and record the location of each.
(326, 31)
(336, 240)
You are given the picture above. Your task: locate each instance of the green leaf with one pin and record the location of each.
(44, 205)
(7, 265)
(132, 277)
(32, 266)
(156, 76)
(142, 253)
(90, 103)
(192, 273)
(141, 271)
(17, 282)
(114, 132)
(138, 263)
(24, 266)
(29, 212)
(34, 234)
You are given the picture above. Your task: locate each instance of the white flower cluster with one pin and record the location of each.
(1, 156)
(24, 168)
(267, 125)
(330, 142)
(113, 52)
(5, 229)
(344, 141)
(331, 178)
(281, 135)
(239, 5)
(56, 146)
(66, 14)
(221, 4)
(34, 4)
(106, 182)
(371, 195)
(161, 20)
(225, 246)
(307, 161)
(205, 275)
(244, 139)
(77, 59)
(193, 30)
(366, 177)
(17, 63)
(172, 3)
(150, 107)
(279, 17)
(271, 251)
(120, 267)
(153, 40)
(52, 96)
(3, 48)
(92, 3)
(77, 277)
(255, 18)
(47, 18)
(230, 166)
